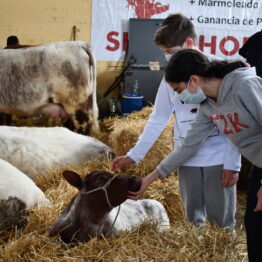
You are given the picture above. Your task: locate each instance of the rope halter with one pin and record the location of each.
(104, 187)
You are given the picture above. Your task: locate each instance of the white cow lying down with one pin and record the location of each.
(18, 193)
(35, 149)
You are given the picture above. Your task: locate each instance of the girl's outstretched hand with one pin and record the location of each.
(146, 181)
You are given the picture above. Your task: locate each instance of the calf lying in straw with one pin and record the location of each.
(34, 150)
(94, 212)
(18, 193)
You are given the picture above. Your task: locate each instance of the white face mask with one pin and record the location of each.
(168, 56)
(192, 98)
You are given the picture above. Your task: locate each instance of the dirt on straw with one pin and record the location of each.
(183, 243)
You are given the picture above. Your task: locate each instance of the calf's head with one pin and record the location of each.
(98, 184)
(86, 215)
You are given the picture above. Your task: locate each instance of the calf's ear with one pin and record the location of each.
(73, 179)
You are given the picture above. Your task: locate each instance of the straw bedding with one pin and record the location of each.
(144, 244)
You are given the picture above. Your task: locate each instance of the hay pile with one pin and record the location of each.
(122, 134)
(41, 121)
(144, 244)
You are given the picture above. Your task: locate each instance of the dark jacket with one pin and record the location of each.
(252, 51)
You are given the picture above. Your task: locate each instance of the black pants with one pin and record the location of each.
(253, 220)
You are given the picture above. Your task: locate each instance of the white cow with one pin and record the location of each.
(18, 193)
(57, 79)
(37, 149)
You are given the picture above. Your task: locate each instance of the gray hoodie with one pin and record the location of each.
(237, 113)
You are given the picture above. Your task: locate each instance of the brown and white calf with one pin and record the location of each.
(56, 79)
(36, 149)
(94, 212)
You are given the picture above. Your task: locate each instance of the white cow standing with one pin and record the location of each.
(57, 79)
(36, 149)
(18, 193)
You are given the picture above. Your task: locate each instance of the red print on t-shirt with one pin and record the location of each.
(229, 122)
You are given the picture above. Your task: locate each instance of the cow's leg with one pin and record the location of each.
(95, 112)
(92, 111)
(69, 124)
(78, 117)
(83, 115)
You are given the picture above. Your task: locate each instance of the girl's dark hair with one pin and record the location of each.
(174, 30)
(187, 62)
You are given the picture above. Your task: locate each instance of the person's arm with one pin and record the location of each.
(249, 94)
(251, 97)
(162, 111)
(201, 129)
(232, 162)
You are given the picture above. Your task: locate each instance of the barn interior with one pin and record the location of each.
(120, 127)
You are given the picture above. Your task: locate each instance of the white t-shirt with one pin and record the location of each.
(216, 150)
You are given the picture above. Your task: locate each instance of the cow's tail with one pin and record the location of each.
(13, 214)
(92, 81)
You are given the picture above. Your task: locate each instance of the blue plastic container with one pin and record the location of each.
(131, 102)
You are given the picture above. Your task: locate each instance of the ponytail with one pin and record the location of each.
(187, 62)
(219, 69)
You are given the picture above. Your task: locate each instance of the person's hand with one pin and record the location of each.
(259, 200)
(121, 161)
(146, 181)
(229, 177)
